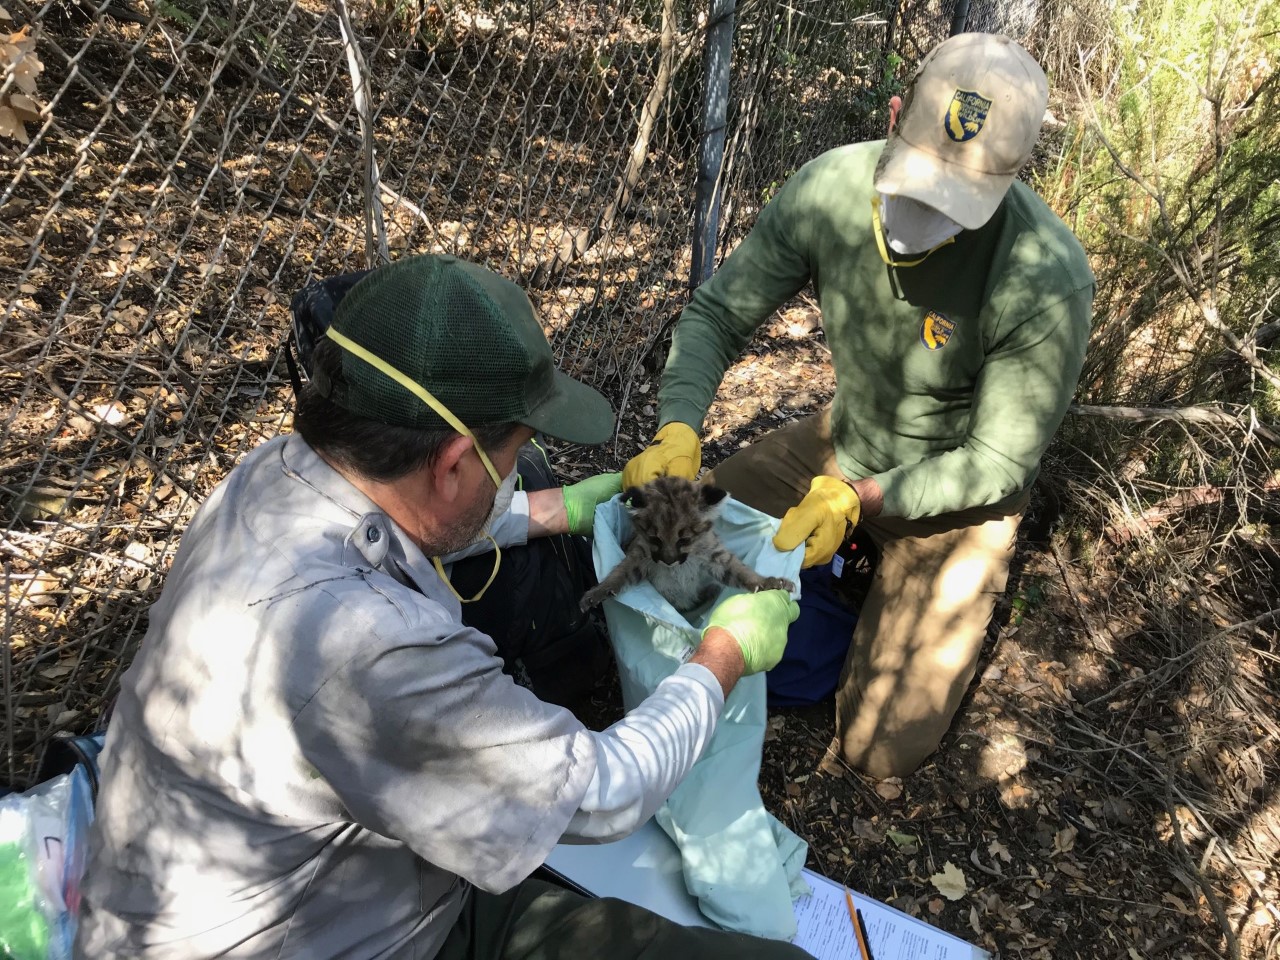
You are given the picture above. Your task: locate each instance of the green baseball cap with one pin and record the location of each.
(471, 339)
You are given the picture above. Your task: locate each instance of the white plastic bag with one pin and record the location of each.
(740, 863)
(44, 839)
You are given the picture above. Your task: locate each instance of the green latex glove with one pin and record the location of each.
(582, 498)
(758, 621)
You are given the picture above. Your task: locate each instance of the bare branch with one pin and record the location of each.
(1239, 347)
(1098, 633)
(1210, 895)
(1264, 334)
(1205, 495)
(1169, 668)
(376, 249)
(575, 243)
(1205, 825)
(1200, 414)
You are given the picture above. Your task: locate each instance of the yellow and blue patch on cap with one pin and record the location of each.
(936, 330)
(966, 113)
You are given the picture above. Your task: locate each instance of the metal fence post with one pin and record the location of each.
(711, 149)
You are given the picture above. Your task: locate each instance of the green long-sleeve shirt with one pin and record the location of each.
(951, 376)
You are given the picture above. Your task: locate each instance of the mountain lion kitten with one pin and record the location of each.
(674, 547)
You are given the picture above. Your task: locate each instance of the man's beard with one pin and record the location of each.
(479, 518)
(467, 530)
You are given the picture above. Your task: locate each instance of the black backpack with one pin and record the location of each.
(531, 609)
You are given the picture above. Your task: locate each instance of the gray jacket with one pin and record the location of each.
(311, 755)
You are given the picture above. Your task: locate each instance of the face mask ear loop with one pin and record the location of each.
(878, 230)
(418, 390)
(421, 392)
(497, 563)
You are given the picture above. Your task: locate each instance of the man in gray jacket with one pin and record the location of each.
(311, 755)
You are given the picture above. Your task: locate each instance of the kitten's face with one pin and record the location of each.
(672, 515)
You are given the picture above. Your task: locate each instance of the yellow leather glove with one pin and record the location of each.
(676, 451)
(820, 520)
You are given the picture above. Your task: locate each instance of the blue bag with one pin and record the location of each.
(816, 644)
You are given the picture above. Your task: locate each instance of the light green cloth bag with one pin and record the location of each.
(740, 863)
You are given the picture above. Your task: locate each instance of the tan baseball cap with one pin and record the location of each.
(969, 122)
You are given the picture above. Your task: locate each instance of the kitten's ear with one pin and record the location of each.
(712, 495)
(633, 496)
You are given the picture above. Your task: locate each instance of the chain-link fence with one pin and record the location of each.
(175, 169)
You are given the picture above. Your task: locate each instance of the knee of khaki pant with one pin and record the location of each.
(892, 711)
(903, 686)
(773, 474)
(894, 725)
(895, 754)
(912, 658)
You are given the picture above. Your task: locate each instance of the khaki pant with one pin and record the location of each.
(540, 921)
(921, 627)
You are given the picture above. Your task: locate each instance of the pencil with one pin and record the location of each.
(859, 933)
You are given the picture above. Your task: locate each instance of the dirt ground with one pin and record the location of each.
(1049, 794)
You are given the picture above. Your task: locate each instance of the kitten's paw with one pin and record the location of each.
(777, 583)
(592, 598)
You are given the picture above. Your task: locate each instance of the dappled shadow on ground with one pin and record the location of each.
(1053, 793)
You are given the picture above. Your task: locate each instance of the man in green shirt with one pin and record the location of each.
(957, 306)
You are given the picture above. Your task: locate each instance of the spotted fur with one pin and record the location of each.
(676, 549)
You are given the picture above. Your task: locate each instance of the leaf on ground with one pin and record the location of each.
(889, 789)
(773, 728)
(11, 126)
(950, 882)
(18, 57)
(906, 842)
(863, 829)
(1179, 904)
(26, 109)
(998, 849)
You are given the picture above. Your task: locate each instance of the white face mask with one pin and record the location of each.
(913, 227)
(501, 502)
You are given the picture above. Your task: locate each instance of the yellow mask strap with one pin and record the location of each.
(878, 229)
(421, 392)
(497, 562)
